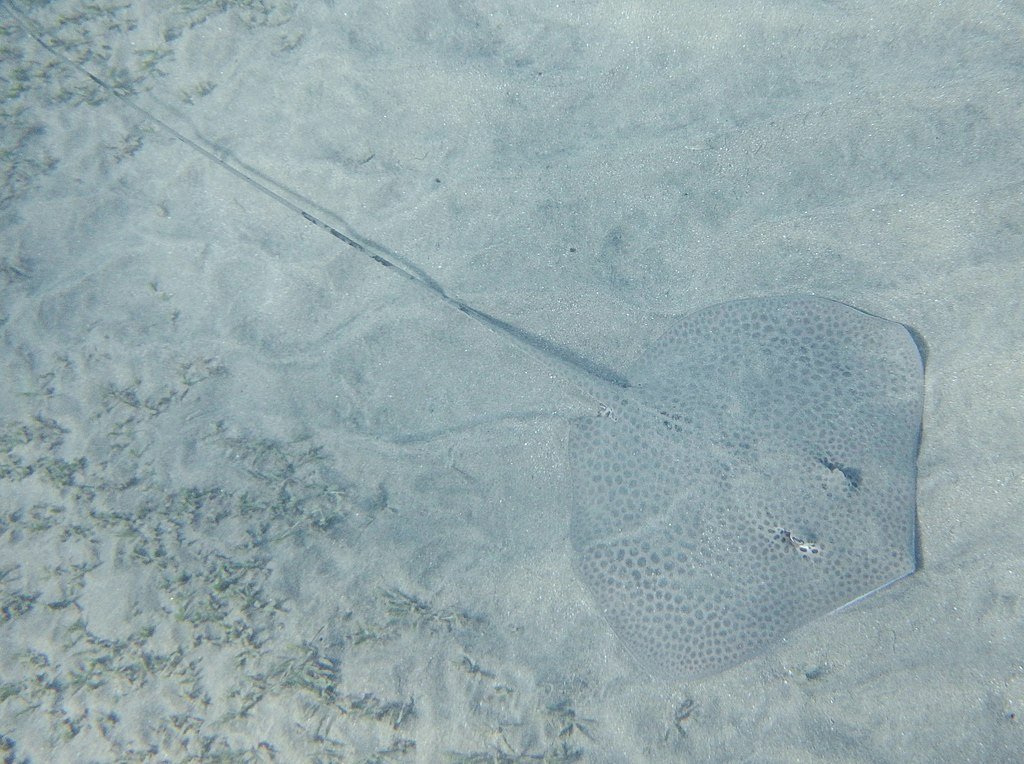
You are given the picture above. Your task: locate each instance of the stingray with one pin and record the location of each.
(759, 471)
(754, 468)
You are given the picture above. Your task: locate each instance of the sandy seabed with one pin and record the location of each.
(264, 500)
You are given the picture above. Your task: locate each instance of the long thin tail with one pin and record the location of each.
(543, 350)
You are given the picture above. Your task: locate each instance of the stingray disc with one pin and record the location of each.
(759, 471)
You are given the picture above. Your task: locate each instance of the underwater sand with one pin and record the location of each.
(261, 500)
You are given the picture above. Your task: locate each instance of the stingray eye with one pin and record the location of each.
(809, 549)
(805, 548)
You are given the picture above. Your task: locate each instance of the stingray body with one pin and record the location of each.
(753, 469)
(758, 471)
